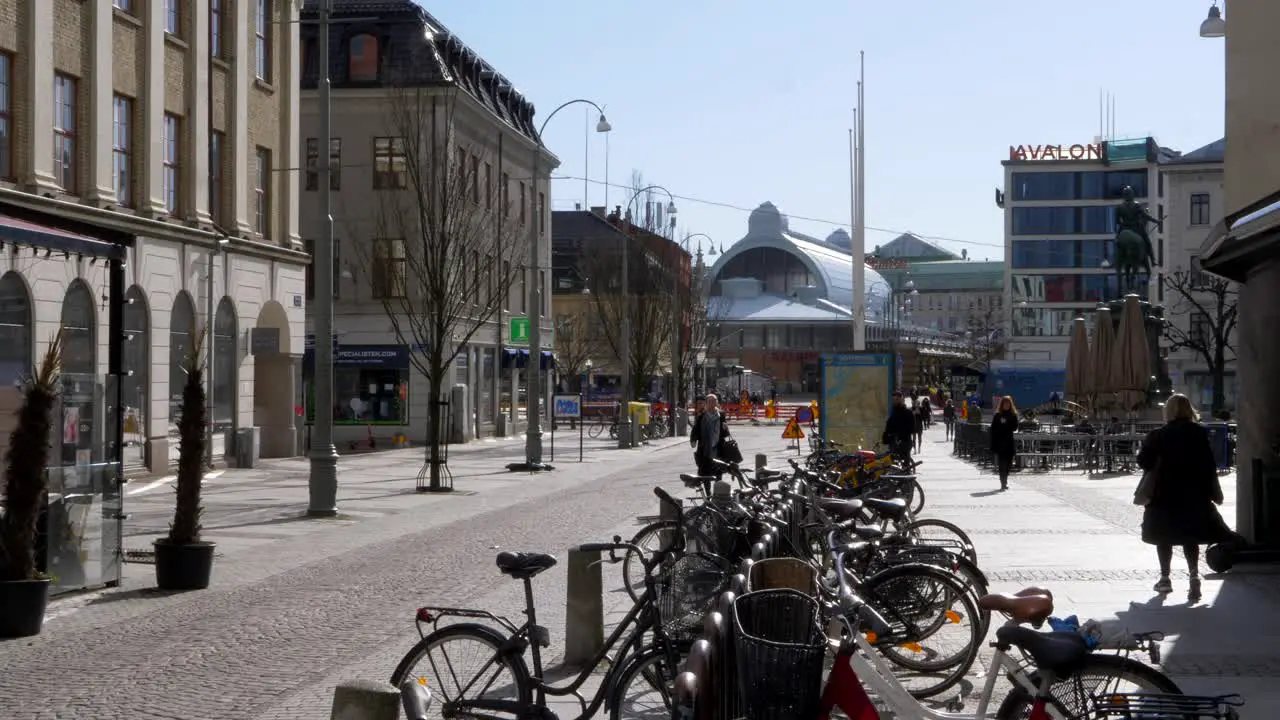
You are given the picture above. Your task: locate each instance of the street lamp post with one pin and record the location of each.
(693, 306)
(624, 424)
(533, 434)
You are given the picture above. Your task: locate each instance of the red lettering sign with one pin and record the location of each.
(1023, 153)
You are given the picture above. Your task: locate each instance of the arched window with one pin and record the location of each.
(182, 329)
(15, 329)
(225, 364)
(362, 58)
(79, 374)
(136, 381)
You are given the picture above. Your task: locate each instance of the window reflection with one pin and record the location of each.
(1050, 322)
(1093, 287)
(224, 365)
(1091, 185)
(136, 381)
(79, 359)
(1090, 220)
(15, 330)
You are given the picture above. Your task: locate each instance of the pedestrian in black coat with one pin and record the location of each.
(1186, 489)
(1003, 425)
(899, 429)
(710, 430)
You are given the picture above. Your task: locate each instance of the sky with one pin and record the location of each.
(729, 103)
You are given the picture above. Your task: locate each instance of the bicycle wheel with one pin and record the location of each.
(937, 626)
(652, 537)
(933, 531)
(645, 688)
(595, 430)
(917, 497)
(497, 677)
(1101, 674)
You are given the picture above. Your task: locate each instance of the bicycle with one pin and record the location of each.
(670, 612)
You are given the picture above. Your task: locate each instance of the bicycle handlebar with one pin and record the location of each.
(610, 547)
(853, 606)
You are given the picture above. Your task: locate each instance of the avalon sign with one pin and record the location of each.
(1092, 151)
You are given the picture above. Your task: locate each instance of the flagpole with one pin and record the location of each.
(859, 236)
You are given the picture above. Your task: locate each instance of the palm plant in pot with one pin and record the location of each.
(183, 560)
(24, 590)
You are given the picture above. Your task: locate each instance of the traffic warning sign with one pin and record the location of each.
(792, 431)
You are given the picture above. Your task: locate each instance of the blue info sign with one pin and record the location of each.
(567, 406)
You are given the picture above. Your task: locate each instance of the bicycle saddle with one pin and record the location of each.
(842, 509)
(1061, 653)
(892, 509)
(694, 482)
(523, 566)
(1034, 608)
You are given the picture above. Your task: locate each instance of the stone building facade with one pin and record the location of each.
(170, 127)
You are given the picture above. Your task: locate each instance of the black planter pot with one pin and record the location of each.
(183, 567)
(22, 606)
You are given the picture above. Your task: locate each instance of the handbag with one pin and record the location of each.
(729, 451)
(1146, 489)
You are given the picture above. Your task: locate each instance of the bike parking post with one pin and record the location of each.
(584, 608)
(762, 461)
(365, 700)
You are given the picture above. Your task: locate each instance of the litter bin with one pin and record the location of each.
(247, 447)
(639, 412)
(1220, 441)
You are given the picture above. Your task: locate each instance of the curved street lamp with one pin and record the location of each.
(624, 423)
(533, 435)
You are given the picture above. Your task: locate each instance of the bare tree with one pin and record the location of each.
(986, 337)
(440, 262)
(1209, 304)
(702, 326)
(574, 344)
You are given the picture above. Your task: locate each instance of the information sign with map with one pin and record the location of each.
(857, 390)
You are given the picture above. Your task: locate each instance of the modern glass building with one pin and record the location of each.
(1059, 206)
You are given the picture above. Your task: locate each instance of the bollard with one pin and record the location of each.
(762, 461)
(365, 700)
(584, 608)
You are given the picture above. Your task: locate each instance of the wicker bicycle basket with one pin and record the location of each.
(780, 649)
(687, 588)
(783, 574)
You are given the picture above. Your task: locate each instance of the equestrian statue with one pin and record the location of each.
(1133, 245)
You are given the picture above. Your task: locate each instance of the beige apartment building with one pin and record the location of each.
(148, 156)
(1245, 246)
(382, 55)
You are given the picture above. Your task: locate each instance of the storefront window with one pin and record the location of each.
(486, 385)
(370, 385)
(79, 365)
(15, 330)
(182, 328)
(225, 365)
(137, 377)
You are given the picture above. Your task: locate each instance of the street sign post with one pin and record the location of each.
(519, 330)
(566, 406)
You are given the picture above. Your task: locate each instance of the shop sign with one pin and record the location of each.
(519, 329)
(1091, 151)
(389, 357)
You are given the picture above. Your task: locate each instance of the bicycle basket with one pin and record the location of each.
(708, 531)
(780, 650)
(1144, 706)
(783, 574)
(687, 588)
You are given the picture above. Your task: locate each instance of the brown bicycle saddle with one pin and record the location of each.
(1032, 605)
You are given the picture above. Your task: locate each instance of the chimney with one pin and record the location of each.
(577, 207)
(598, 211)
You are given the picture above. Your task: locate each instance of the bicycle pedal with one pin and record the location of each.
(955, 704)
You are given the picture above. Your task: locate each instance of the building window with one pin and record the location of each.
(313, 163)
(16, 329)
(6, 114)
(225, 366)
(362, 58)
(311, 269)
(217, 141)
(475, 179)
(215, 28)
(488, 186)
(173, 17)
(523, 201)
(122, 149)
(262, 193)
(64, 131)
(1201, 330)
(390, 164)
(388, 280)
(262, 41)
(1200, 208)
(125, 5)
(506, 193)
(170, 139)
(542, 213)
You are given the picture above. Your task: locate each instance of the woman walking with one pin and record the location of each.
(1182, 491)
(949, 418)
(917, 431)
(1003, 425)
(708, 433)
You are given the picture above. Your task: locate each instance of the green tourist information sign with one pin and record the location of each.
(519, 329)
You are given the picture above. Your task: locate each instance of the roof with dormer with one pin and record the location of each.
(414, 50)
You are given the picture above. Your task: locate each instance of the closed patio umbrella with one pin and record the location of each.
(1104, 343)
(1131, 361)
(1079, 364)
